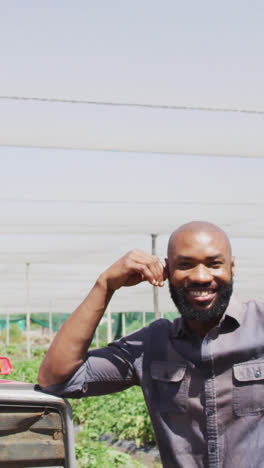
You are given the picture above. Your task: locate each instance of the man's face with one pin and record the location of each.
(200, 271)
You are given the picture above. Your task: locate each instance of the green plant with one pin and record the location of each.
(15, 334)
(123, 415)
(39, 352)
(24, 371)
(91, 454)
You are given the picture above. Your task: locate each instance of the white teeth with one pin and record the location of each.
(196, 293)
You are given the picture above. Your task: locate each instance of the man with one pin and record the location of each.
(202, 376)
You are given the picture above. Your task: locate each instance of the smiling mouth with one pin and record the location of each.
(201, 295)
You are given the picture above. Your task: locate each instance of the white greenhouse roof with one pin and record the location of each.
(124, 120)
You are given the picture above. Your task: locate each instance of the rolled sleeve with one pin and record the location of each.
(105, 370)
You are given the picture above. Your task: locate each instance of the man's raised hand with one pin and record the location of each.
(133, 268)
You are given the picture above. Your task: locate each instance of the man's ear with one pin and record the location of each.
(233, 266)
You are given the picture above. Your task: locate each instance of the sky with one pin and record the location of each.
(122, 119)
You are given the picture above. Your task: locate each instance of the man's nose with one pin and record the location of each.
(200, 274)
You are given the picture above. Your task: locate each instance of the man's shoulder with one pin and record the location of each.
(247, 307)
(161, 330)
(157, 328)
(162, 324)
(248, 301)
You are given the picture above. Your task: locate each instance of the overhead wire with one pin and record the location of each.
(133, 202)
(132, 104)
(168, 107)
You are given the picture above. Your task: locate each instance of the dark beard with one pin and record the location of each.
(188, 312)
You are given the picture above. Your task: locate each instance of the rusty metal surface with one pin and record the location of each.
(46, 464)
(18, 421)
(32, 436)
(36, 429)
(31, 465)
(32, 451)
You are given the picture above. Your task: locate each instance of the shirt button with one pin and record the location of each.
(257, 374)
(212, 448)
(85, 387)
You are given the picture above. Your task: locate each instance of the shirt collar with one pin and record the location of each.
(235, 310)
(180, 329)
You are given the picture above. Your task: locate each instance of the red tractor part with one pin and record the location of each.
(5, 366)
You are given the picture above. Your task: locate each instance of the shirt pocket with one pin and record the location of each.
(248, 390)
(169, 386)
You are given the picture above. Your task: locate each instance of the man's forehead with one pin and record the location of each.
(197, 238)
(194, 238)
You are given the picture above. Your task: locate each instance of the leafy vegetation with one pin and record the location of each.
(94, 454)
(25, 370)
(123, 415)
(15, 334)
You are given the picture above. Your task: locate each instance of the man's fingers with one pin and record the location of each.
(145, 273)
(159, 272)
(134, 267)
(150, 269)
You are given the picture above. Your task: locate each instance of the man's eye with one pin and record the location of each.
(215, 264)
(184, 265)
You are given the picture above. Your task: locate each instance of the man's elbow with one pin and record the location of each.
(51, 375)
(44, 378)
(46, 375)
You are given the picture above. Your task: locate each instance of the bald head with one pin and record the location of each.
(199, 231)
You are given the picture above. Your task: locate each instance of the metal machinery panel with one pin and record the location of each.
(36, 429)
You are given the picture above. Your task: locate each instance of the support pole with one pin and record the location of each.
(51, 308)
(124, 323)
(109, 324)
(144, 319)
(28, 312)
(155, 289)
(7, 328)
(97, 337)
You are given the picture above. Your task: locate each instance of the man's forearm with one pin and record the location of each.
(68, 349)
